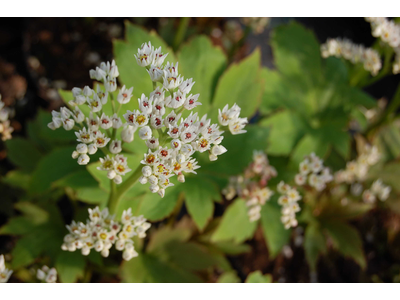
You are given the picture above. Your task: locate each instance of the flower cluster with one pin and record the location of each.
(100, 129)
(4, 272)
(171, 140)
(47, 275)
(356, 170)
(288, 200)
(252, 185)
(378, 190)
(101, 231)
(257, 24)
(352, 52)
(170, 152)
(389, 32)
(5, 128)
(313, 172)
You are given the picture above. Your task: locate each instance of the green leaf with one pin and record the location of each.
(314, 245)
(229, 277)
(203, 62)
(258, 277)
(286, 130)
(52, 167)
(77, 180)
(199, 195)
(240, 84)
(166, 235)
(346, 240)
(147, 268)
(70, 266)
(22, 153)
(295, 50)
(92, 196)
(17, 178)
(274, 91)
(275, 234)
(235, 224)
(155, 208)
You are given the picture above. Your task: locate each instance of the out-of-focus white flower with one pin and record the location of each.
(4, 272)
(47, 275)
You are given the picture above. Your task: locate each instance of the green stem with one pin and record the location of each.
(180, 34)
(154, 85)
(116, 196)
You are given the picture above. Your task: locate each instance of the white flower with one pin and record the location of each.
(145, 105)
(156, 73)
(191, 102)
(124, 95)
(105, 122)
(97, 74)
(146, 171)
(78, 116)
(152, 143)
(4, 272)
(116, 121)
(92, 149)
(145, 55)
(100, 140)
(95, 103)
(186, 86)
(47, 275)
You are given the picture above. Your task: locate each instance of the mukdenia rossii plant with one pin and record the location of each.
(101, 232)
(171, 140)
(252, 185)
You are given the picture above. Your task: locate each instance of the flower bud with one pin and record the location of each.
(161, 192)
(75, 154)
(153, 180)
(117, 179)
(143, 180)
(120, 245)
(146, 171)
(127, 134)
(212, 157)
(71, 247)
(181, 178)
(115, 147)
(154, 188)
(92, 149)
(111, 174)
(83, 159)
(152, 143)
(145, 133)
(176, 144)
(68, 124)
(82, 148)
(105, 252)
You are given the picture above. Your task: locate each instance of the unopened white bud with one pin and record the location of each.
(82, 148)
(212, 157)
(105, 252)
(146, 171)
(75, 154)
(92, 149)
(161, 192)
(111, 174)
(154, 188)
(85, 251)
(152, 179)
(145, 133)
(143, 180)
(127, 134)
(117, 179)
(181, 178)
(83, 159)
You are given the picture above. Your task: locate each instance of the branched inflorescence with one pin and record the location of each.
(45, 274)
(252, 186)
(288, 200)
(171, 140)
(101, 232)
(355, 53)
(389, 32)
(4, 272)
(313, 173)
(5, 127)
(356, 173)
